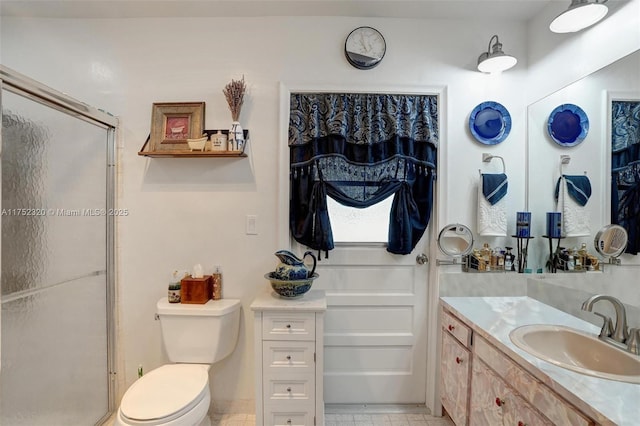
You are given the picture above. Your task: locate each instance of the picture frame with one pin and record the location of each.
(172, 123)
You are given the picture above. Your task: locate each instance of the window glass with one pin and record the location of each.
(352, 225)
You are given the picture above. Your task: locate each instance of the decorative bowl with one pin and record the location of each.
(290, 288)
(197, 144)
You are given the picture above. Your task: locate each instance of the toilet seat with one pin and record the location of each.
(165, 394)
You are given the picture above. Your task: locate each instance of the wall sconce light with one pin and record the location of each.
(495, 60)
(580, 15)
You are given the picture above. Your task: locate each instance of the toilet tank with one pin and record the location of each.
(201, 334)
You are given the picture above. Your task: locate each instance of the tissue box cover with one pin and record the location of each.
(196, 290)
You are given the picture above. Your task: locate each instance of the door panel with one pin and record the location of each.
(54, 266)
(375, 326)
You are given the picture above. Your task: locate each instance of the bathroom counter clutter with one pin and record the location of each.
(491, 319)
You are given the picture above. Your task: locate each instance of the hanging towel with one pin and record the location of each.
(492, 212)
(578, 188)
(572, 194)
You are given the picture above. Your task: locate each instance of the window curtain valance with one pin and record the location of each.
(360, 149)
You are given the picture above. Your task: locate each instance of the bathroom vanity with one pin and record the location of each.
(288, 358)
(487, 380)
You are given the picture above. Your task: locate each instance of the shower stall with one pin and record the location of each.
(57, 257)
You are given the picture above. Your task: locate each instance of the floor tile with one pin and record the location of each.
(367, 418)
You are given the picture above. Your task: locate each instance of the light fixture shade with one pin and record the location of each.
(580, 15)
(495, 60)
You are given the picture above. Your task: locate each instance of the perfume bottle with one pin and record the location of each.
(509, 260)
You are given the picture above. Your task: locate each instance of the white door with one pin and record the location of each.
(375, 325)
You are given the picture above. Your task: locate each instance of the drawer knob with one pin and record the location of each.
(288, 357)
(499, 402)
(288, 325)
(288, 389)
(451, 327)
(458, 360)
(521, 423)
(289, 421)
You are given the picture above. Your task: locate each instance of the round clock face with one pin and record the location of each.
(364, 48)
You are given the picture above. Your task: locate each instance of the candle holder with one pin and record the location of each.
(523, 249)
(554, 259)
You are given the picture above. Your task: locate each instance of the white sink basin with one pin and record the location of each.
(578, 351)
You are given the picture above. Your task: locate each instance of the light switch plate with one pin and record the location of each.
(252, 224)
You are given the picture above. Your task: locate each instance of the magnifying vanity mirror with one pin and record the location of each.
(595, 95)
(455, 240)
(610, 242)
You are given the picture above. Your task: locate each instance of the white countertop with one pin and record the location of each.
(311, 301)
(606, 401)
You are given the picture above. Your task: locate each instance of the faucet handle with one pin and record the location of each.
(633, 342)
(607, 326)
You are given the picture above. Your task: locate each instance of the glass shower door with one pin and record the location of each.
(54, 266)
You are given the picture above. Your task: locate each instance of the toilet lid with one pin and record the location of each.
(165, 392)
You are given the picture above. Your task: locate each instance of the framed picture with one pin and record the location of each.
(173, 122)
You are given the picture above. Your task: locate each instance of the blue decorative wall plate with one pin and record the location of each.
(568, 125)
(490, 123)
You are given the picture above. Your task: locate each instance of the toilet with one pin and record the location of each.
(177, 394)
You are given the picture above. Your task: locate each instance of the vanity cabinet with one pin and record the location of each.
(481, 385)
(289, 359)
(456, 368)
(493, 402)
(550, 404)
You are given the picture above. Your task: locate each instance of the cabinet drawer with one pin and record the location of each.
(277, 417)
(458, 329)
(288, 326)
(292, 389)
(456, 376)
(538, 394)
(493, 402)
(287, 357)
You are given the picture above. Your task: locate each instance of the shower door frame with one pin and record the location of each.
(24, 86)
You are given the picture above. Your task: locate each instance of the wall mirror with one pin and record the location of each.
(592, 156)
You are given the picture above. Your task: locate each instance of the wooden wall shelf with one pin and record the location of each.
(187, 153)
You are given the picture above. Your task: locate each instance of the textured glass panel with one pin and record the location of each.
(54, 356)
(53, 196)
(54, 285)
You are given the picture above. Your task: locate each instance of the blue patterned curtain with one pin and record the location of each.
(625, 170)
(360, 149)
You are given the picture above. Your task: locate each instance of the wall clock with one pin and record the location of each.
(365, 47)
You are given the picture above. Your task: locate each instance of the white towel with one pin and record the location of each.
(575, 218)
(492, 219)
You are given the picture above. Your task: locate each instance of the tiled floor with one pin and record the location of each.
(393, 419)
(233, 420)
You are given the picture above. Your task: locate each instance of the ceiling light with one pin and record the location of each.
(581, 14)
(495, 60)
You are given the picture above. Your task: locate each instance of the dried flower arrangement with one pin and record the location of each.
(234, 92)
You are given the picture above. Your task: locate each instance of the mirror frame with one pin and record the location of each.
(459, 229)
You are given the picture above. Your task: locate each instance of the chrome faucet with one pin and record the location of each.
(619, 333)
(633, 342)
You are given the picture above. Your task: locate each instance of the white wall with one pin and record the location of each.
(185, 211)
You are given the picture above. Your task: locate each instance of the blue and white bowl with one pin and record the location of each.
(290, 288)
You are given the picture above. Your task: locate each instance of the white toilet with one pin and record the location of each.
(177, 394)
